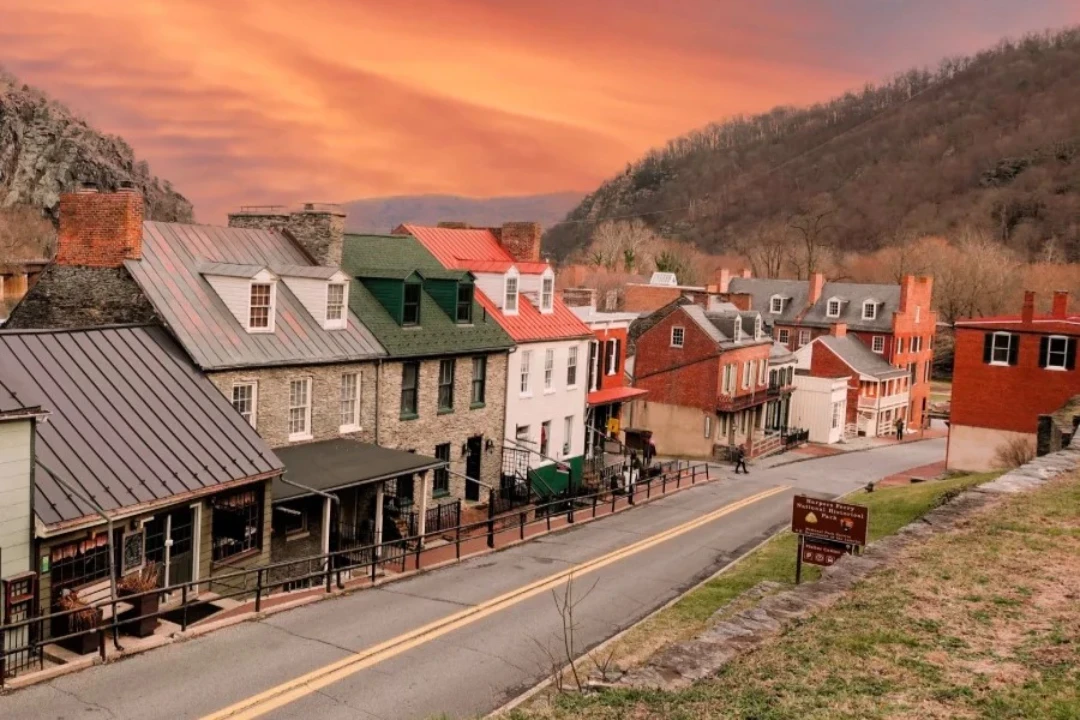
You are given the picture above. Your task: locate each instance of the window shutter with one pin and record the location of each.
(618, 353)
(1044, 351)
(1014, 349)
(1070, 354)
(988, 347)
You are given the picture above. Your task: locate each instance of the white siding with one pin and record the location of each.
(15, 520)
(812, 403)
(236, 294)
(493, 285)
(311, 292)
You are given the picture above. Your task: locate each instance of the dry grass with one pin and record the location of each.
(980, 622)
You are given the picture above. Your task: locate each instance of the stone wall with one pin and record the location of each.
(67, 297)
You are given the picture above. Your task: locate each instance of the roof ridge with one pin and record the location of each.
(88, 328)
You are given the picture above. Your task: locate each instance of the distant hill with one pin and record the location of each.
(384, 214)
(991, 141)
(45, 149)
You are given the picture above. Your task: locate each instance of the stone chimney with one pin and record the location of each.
(579, 297)
(100, 229)
(521, 240)
(838, 330)
(318, 228)
(816, 285)
(1061, 304)
(1027, 315)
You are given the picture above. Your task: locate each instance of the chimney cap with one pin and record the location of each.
(322, 208)
(87, 187)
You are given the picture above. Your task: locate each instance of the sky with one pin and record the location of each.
(263, 101)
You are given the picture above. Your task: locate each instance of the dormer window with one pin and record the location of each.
(411, 311)
(464, 303)
(547, 293)
(261, 307)
(776, 304)
(832, 308)
(757, 327)
(510, 298)
(738, 329)
(335, 306)
(869, 310)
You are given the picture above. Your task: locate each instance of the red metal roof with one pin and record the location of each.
(531, 325)
(1014, 323)
(615, 394)
(474, 249)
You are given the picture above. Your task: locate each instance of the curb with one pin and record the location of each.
(851, 452)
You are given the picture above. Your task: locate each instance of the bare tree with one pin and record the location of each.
(25, 235)
(621, 241)
(767, 248)
(813, 228)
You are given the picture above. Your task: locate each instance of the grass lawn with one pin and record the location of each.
(940, 390)
(980, 622)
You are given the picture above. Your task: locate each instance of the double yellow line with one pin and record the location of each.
(288, 692)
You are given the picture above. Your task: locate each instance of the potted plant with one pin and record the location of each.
(83, 619)
(141, 618)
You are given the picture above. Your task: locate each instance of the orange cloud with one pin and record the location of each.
(274, 101)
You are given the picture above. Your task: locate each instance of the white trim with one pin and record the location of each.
(355, 425)
(1008, 347)
(872, 304)
(342, 322)
(271, 312)
(511, 275)
(572, 354)
(305, 434)
(875, 341)
(783, 335)
(525, 378)
(682, 336)
(803, 338)
(196, 542)
(547, 307)
(611, 361)
(1064, 353)
(772, 304)
(549, 370)
(828, 307)
(254, 385)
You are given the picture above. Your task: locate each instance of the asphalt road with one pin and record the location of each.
(495, 651)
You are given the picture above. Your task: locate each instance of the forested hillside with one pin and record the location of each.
(988, 143)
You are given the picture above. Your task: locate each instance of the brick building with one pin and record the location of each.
(1008, 371)
(894, 321)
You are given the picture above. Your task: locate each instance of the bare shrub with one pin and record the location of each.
(1014, 453)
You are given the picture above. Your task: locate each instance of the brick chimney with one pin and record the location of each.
(907, 286)
(817, 284)
(1028, 313)
(579, 297)
(100, 229)
(724, 281)
(745, 274)
(318, 228)
(521, 240)
(838, 330)
(1061, 304)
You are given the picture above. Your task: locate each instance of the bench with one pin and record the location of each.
(101, 592)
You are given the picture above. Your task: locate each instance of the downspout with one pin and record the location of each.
(378, 395)
(326, 519)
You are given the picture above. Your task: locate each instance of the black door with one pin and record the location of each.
(475, 447)
(170, 542)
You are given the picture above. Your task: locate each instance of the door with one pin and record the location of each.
(170, 542)
(475, 448)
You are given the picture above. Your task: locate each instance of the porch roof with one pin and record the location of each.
(340, 463)
(613, 395)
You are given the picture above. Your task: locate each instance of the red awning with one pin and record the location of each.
(613, 395)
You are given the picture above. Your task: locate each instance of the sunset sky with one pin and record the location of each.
(238, 101)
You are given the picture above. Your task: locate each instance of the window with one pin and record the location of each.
(479, 381)
(510, 302)
(549, 368)
(757, 327)
(804, 337)
(776, 304)
(1057, 353)
(335, 305)
(783, 335)
(728, 386)
(832, 308)
(1001, 348)
(464, 303)
(262, 304)
(236, 522)
(722, 427)
(763, 376)
(708, 426)
(410, 376)
(411, 312)
(571, 368)
(738, 329)
(916, 344)
(521, 433)
(611, 356)
(678, 335)
(878, 344)
(746, 375)
(440, 484)
(289, 522)
(446, 385)
(245, 399)
(350, 402)
(899, 345)
(545, 436)
(526, 361)
(404, 490)
(300, 409)
(547, 293)
(567, 434)
(835, 415)
(869, 310)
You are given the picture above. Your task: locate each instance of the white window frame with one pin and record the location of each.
(524, 387)
(708, 426)
(738, 328)
(899, 345)
(916, 344)
(547, 292)
(568, 435)
(746, 375)
(783, 335)
(804, 338)
(353, 423)
(681, 332)
(512, 280)
(1010, 338)
(763, 375)
(1064, 352)
(877, 344)
(339, 323)
(254, 412)
(776, 304)
(836, 414)
(757, 327)
(549, 370)
(272, 308)
(572, 368)
(870, 305)
(829, 307)
(305, 433)
(611, 357)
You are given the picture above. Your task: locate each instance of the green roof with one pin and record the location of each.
(395, 257)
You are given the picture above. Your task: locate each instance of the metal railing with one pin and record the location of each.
(734, 403)
(256, 586)
(438, 518)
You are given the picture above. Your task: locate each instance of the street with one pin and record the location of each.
(486, 622)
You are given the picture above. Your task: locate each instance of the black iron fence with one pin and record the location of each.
(92, 625)
(438, 518)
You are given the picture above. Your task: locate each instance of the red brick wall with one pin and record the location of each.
(646, 298)
(907, 324)
(824, 363)
(99, 229)
(793, 334)
(1004, 397)
(686, 376)
(605, 381)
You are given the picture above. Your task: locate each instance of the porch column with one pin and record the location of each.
(422, 505)
(327, 514)
(378, 517)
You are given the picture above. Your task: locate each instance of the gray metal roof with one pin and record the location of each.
(698, 315)
(316, 272)
(131, 420)
(229, 269)
(169, 274)
(862, 359)
(852, 296)
(339, 463)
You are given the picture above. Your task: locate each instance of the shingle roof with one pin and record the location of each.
(169, 273)
(762, 290)
(339, 463)
(132, 421)
(720, 325)
(862, 359)
(397, 257)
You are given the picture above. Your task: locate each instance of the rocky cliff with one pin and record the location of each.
(45, 149)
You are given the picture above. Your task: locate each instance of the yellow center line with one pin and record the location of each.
(292, 690)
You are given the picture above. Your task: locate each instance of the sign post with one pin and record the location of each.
(827, 530)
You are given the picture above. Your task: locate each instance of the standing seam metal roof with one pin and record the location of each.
(795, 311)
(860, 358)
(131, 420)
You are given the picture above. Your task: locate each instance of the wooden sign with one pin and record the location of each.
(821, 552)
(829, 520)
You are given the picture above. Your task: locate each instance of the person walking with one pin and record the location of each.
(899, 429)
(740, 459)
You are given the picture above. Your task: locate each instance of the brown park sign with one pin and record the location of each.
(821, 552)
(829, 520)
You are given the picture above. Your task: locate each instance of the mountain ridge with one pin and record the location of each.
(381, 215)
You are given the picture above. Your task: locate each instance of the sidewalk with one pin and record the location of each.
(857, 444)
